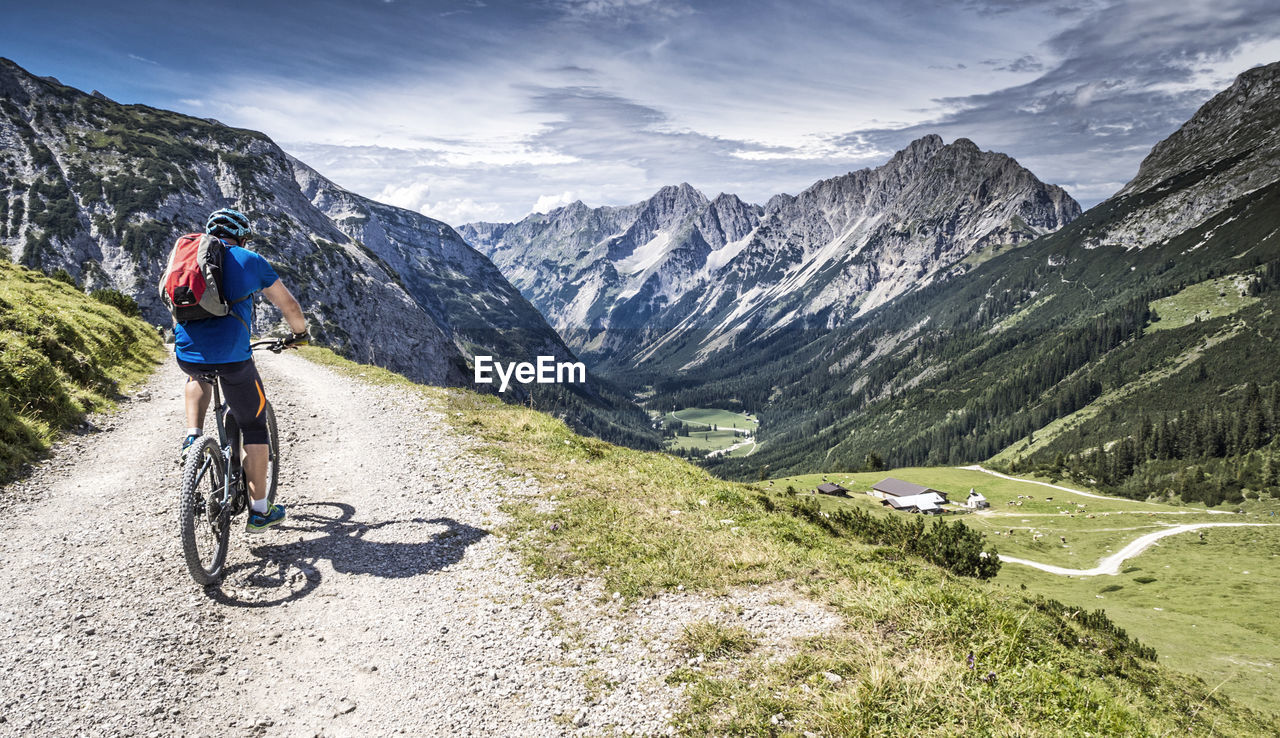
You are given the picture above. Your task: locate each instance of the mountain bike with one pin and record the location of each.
(214, 488)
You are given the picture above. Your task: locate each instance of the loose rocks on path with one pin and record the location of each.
(384, 605)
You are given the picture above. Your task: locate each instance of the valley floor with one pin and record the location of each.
(1204, 603)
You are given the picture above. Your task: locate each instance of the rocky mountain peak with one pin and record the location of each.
(679, 263)
(1240, 120)
(679, 199)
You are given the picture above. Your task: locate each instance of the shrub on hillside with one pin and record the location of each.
(117, 300)
(61, 355)
(953, 546)
(62, 275)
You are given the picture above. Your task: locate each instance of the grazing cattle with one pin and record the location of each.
(1063, 539)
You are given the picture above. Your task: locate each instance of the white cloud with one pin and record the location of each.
(462, 210)
(622, 100)
(547, 203)
(410, 197)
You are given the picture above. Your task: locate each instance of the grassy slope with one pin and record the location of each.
(62, 354)
(1210, 610)
(648, 522)
(1213, 298)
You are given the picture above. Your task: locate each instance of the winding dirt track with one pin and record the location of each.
(1111, 564)
(977, 467)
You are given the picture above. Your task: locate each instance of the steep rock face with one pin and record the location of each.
(102, 190)
(451, 282)
(678, 278)
(576, 262)
(1227, 150)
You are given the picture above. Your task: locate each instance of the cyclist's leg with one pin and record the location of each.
(247, 401)
(196, 395)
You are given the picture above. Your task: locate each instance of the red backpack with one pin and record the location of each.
(191, 286)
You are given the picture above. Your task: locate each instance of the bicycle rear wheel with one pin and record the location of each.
(204, 522)
(273, 460)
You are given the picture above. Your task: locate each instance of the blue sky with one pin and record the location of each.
(486, 110)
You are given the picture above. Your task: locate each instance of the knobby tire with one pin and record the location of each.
(201, 514)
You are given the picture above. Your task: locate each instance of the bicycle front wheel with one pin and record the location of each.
(273, 459)
(204, 522)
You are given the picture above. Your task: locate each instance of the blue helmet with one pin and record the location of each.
(228, 223)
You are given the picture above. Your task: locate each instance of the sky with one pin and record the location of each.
(470, 110)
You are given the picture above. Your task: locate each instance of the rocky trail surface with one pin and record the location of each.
(384, 605)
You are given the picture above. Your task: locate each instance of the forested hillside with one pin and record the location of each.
(1156, 308)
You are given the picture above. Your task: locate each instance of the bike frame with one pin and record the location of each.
(230, 444)
(232, 481)
(234, 487)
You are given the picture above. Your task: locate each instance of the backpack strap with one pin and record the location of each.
(234, 314)
(231, 311)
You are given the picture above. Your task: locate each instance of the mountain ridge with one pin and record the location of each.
(101, 190)
(622, 282)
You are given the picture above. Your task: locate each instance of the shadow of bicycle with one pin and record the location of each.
(286, 572)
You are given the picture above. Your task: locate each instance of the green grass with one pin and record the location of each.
(1206, 300)
(644, 523)
(713, 640)
(711, 416)
(700, 421)
(62, 354)
(708, 439)
(1208, 608)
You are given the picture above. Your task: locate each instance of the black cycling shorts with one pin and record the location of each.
(242, 388)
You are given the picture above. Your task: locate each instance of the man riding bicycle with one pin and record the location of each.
(220, 347)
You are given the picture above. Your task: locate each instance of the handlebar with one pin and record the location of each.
(275, 345)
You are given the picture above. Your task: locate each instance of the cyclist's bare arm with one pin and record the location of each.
(281, 297)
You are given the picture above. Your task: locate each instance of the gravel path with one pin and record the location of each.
(1111, 564)
(976, 467)
(383, 606)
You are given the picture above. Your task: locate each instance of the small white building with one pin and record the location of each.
(891, 487)
(928, 503)
(976, 501)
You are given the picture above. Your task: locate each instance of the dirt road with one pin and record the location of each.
(1111, 564)
(977, 467)
(383, 606)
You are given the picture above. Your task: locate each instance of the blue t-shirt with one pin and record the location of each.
(226, 340)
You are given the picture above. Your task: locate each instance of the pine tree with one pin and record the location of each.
(1253, 419)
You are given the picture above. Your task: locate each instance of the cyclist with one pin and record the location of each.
(220, 346)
